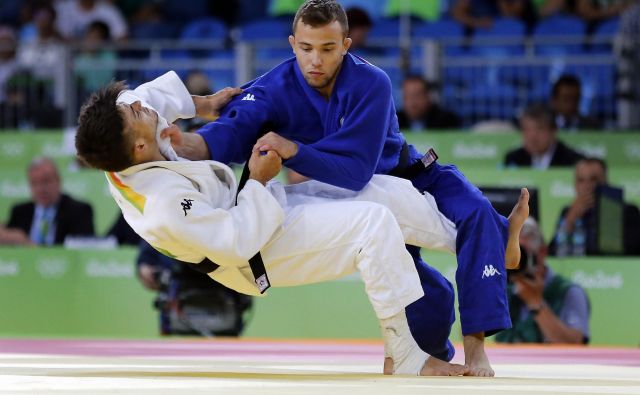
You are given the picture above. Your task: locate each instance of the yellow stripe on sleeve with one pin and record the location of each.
(137, 200)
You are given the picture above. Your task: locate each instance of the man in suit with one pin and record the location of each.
(565, 102)
(541, 148)
(419, 112)
(577, 230)
(51, 216)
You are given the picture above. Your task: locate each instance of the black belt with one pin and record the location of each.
(407, 170)
(255, 262)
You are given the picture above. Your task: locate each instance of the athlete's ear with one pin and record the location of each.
(292, 42)
(346, 43)
(140, 148)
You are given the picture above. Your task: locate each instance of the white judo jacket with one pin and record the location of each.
(182, 212)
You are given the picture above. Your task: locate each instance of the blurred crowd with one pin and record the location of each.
(35, 37)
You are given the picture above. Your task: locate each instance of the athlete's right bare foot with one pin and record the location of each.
(432, 367)
(517, 217)
(437, 367)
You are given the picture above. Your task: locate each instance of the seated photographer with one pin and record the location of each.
(544, 307)
(579, 230)
(190, 302)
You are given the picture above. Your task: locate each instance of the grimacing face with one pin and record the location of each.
(319, 52)
(139, 120)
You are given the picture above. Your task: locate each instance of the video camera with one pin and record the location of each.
(191, 303)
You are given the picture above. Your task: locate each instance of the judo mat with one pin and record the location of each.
(249, 366)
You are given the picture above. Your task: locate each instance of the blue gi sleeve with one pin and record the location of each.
(348, 157)
(231, 137)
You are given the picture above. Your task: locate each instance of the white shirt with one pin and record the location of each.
(543, 161)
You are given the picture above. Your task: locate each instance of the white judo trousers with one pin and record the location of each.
(329, 232)
(327, 241)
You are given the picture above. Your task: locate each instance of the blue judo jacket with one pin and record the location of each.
(342, 141)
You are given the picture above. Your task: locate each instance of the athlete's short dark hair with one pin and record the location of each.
(101, 141)
(318, 13)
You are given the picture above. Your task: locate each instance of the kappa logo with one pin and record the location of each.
(490, 271)
(249, 97)
(186, 205)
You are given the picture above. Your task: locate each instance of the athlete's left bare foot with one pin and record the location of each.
(517, 217)
(431, 367)
(387, 368)
(475, 357)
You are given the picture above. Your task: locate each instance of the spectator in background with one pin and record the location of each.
(419, 112)
(565, 103)
(541, 148)
(376, 9)
(591, 11)
(198, 83)
(359, 26)
(28, 104)
(628, 63)
(95, 65)
(596, 10)
(8, 64)
(544, 307)
(50, 216)
(548, 8)
(577, 229)
(75, 16)
(190, 302)
(43, 58)
(482, 13)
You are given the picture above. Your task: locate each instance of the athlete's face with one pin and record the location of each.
(141, 120)
(319, 52)
(140, 125)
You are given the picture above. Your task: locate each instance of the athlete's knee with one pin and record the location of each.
(381, 217)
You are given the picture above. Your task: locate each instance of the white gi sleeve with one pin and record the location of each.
(166, 94)
(192, 228)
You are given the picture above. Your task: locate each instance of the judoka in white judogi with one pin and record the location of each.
(306, 233)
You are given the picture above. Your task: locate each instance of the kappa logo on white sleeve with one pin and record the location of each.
(490, 271)
(249, 97)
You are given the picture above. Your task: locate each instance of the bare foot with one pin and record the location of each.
(475, 357)
(437, 367)
(517, 217)
(388, 366)
(432, 367)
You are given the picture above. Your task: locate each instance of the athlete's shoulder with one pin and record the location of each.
(278, 75)
(360, 77)
(362, 71)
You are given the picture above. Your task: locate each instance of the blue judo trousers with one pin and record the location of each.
(479, 228)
